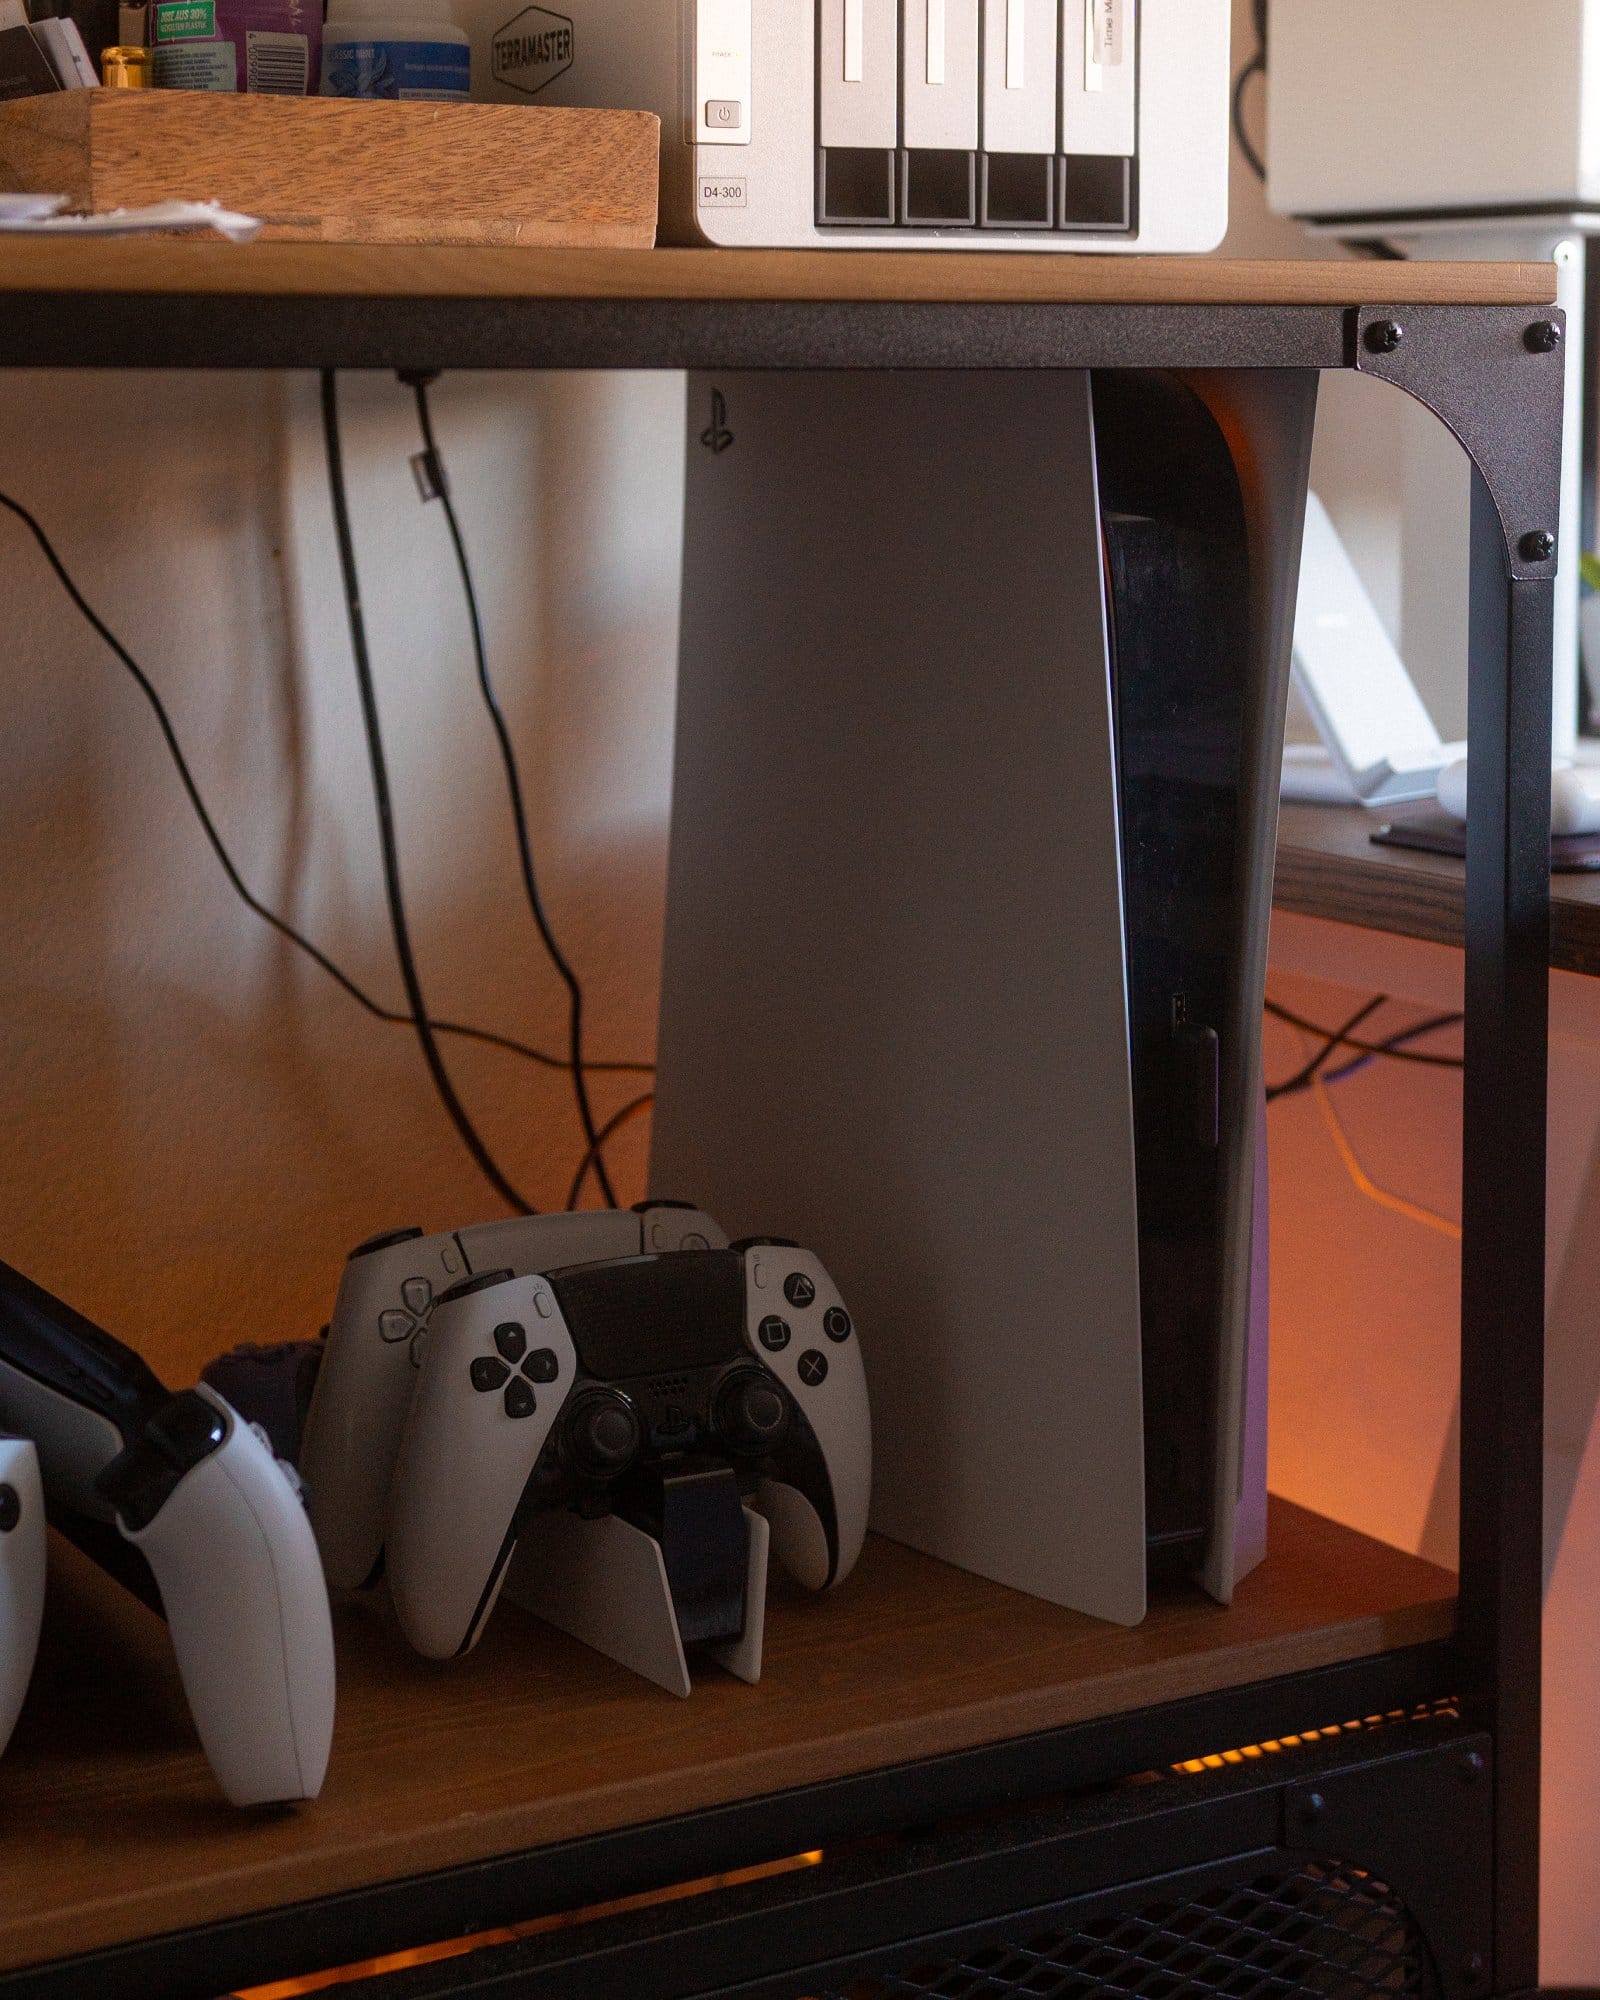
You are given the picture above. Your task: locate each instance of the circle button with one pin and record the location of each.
(798, 1289)
(836, 1323)
(10, 1509)
(813, 1368)
(773, 1333)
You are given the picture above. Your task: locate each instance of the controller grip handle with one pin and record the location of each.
(242, 1586)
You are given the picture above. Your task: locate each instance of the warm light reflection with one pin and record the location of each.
(1220, 1759)
(429, 1954)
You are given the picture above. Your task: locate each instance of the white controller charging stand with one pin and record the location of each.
(22, 1568)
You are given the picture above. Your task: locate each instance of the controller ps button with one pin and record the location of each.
(541, 1365)
(798, 1289)
(836, 1323)
(511, 1340)
(520, 1400)
(813, 1368)
(773, 1333)
(488, 1373)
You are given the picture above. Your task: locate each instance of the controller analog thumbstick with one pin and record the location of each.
(603, 1434)
(751, 1414)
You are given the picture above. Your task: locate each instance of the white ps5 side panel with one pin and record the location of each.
(894, 1013)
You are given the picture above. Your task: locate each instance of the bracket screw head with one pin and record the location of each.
(1543, 337)
(1472, 1968)
(1539, 547)
(1311, 1808)
(1385, 335)
(1472, 1767)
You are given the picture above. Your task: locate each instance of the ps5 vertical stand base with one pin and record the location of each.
(605, 1583)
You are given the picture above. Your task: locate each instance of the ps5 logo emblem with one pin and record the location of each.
(716, 437)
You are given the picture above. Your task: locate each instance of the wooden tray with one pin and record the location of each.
(347, 170)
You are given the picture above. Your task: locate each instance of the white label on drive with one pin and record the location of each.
(1104, 40)
(936, 41)
(722, 191)
(855, 41)
(1016, 44)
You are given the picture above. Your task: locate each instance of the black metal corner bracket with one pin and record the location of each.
(1370, 1815)
(1495, 376)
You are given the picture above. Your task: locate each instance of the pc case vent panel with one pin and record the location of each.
(1324, 1929)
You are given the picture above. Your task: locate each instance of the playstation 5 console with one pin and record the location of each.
(978, 739)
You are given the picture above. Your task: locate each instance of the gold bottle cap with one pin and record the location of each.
(128, 69)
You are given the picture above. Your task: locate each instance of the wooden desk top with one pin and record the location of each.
(203, 265)
(1329, 867)
(111, 1827)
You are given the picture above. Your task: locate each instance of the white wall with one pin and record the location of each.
(201, 1124)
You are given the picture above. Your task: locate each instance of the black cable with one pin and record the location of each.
(530, 881)
(1331, 1040)
(1396, 1045)
(236, 882)
(613, 1124)
(1281, 1013)
(1256, 66)
(470, 1137)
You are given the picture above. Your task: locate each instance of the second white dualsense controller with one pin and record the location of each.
(375, 1341)
(22, 1561)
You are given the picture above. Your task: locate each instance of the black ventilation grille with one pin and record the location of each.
(1321, 1930)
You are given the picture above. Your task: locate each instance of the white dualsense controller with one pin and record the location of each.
(585, 1387)
(375, 1341)
(178, 1490)
(22, 1561)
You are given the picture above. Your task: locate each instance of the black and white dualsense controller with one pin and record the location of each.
(179, 1489)
(22, 1563)
(578, 1388)
(375, 1343)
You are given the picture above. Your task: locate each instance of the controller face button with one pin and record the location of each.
(836, 1323)
(511, 1340)
(813, 1368)
(541, 1365)
(10, 1509)
(418, 1294)
(520, 1400)
(798, 1289)
(488, 1373)
(395, 1325)
(773, 1333)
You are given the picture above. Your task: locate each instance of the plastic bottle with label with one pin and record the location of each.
(395, 49)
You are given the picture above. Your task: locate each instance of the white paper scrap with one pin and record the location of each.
(17, 219)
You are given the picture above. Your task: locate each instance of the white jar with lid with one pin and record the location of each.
(395, 49)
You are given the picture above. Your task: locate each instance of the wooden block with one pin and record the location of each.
(347, 170)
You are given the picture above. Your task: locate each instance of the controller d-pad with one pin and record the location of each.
(418, 1295)
(511, 1341)
(488, 1373)
(813, 1368)
(520, 1401)
(773, 1333)
(10, 1509)
(394, 1325)
(798, 1289)
(541, 1365)
(836, 1323)
(405, 1322)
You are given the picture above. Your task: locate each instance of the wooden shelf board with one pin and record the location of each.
(206, 266)
(111, 1828)
(1329, 867)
